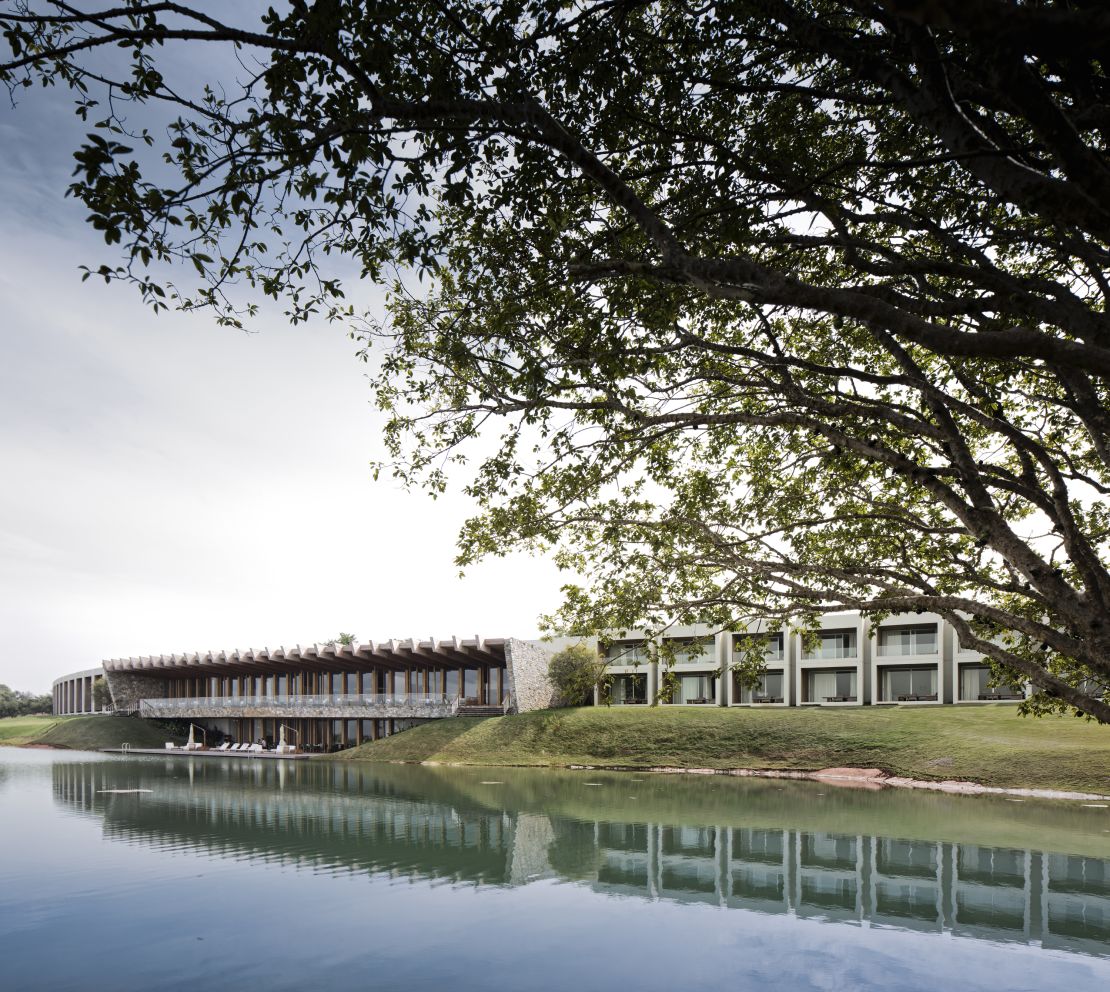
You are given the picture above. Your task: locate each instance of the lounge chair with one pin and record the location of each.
(170, 746)
(256, 748)
(225, 746)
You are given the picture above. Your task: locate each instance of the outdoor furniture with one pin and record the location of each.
(766, 699)
(170, 746)
(840, 699)
(1001, 695)
(225, 746)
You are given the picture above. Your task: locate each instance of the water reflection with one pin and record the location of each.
(760, 847)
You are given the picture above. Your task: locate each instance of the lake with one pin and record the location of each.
(192, 873)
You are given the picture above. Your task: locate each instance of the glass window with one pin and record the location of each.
(975, 685)
(917, 639)
(629, 689)
(769, 689)
(831, 686)
(898, 683)
(696, 689)
(772, 652)
(834, 644)
(691, 650)
(626, 653)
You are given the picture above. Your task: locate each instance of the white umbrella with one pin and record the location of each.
(191, 741)
(281, 737)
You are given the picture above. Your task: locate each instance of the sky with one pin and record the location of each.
(168, 485)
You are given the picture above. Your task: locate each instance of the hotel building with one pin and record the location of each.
(334, 695)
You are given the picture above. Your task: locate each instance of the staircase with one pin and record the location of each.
(477, 710)
(472, 707)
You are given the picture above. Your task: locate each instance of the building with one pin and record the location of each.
(328, 696)
(324, 696)
(908, 659)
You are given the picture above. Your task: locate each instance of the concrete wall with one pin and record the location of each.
(73, 693)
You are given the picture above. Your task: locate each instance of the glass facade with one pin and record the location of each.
(915, 639)
(691, 650)
(770, 689)
(975, 685)
(696, 689)
(831, 686)
(833, 644)
(628, 689)
(626, 653)
(899, 684)
(772, 652)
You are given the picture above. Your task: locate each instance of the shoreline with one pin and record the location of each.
(859, 778)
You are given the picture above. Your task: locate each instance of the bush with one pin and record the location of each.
(576, 671)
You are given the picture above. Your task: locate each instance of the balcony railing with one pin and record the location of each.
(431, 700)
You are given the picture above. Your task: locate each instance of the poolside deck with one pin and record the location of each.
(182, 753)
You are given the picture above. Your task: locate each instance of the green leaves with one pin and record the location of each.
(735, 315)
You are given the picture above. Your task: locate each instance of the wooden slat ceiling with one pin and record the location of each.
(392, 654)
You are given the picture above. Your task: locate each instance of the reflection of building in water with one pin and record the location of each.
(333, 818)
(1056, 900)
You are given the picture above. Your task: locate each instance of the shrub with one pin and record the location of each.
(575, 672)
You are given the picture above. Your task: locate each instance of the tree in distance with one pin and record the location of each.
(756, 309)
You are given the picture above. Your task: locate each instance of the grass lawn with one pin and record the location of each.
(989, 744)
(84, 733)
(25, 729)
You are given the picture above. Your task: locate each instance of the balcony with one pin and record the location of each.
(404, 705)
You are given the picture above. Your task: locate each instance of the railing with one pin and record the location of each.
(365, 699)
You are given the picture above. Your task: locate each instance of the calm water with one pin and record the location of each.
(265, 876)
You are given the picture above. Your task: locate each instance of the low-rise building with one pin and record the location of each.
(337, 695)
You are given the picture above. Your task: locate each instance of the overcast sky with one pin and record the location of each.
(171, 486)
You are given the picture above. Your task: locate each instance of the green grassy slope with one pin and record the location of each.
(85, 733)
(989, 744)
(24, 729)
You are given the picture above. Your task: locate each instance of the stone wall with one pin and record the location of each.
(533, 836)
(526, 663)
(127, 688)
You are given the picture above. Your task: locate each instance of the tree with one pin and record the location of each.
(14, 703)
(761, 307)
(576, 672)
(102, 694)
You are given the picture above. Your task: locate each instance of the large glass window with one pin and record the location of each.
(834, 644)
(626, 653)
(831, 686)
(769, 689)
(975, 685)
(696, 689)
(772, 652)
(898, 684)
(916, 639)
(628, 689)
(691, 650)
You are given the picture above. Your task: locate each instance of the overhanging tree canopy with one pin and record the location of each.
(774, 305)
